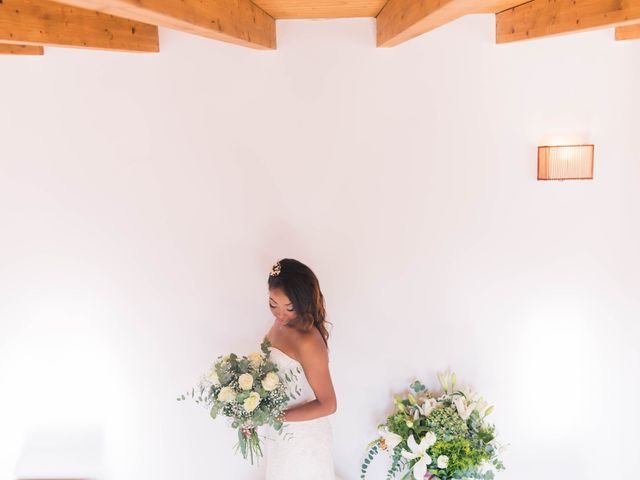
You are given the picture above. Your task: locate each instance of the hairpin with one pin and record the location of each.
(275, 270)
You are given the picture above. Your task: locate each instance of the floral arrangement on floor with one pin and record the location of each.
(438, 436)
(249, 391)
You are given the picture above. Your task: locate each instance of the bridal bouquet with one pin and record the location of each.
(247, 390)
(441, 436)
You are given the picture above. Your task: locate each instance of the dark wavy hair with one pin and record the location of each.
(301, 285)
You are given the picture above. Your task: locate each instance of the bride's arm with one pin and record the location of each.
(313, 356)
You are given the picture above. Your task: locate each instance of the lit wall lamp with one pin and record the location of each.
(565, 162)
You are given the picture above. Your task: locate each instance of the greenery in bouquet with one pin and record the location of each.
(250, 392)
(439, 436)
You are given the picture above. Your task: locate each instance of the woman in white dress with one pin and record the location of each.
(299, 343)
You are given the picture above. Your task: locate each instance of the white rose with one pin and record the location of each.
(256, 359)
(227, 394)
(212, 376)
(245, 381)
(270, 381)
(443, 461)
(252, 402)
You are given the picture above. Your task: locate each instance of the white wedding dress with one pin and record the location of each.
(305, 451)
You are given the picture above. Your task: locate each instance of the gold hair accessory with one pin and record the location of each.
(275, 270)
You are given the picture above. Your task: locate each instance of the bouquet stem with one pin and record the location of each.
(249, 444)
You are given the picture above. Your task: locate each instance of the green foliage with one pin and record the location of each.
(463, 455)
(271, 404)
(374, 448)
(444, 422)
(397, 423)
(469, 443)
(397, 462)
(243, 366)
(417, 386)
(265, 347)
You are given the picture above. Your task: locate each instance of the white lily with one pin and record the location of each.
(447, 381)
(469, 394)
(444, 381)
(428, 405)
(390, 439)
(464, 409)
(419, 452)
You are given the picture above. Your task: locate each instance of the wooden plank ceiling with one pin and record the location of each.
(288, 9)
(132, 25)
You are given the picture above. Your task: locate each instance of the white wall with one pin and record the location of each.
(144, 198)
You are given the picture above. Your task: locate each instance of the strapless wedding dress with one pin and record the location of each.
(304, 452)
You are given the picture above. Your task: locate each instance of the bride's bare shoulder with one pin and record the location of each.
(310, 343)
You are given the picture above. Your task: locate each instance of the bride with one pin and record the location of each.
(298, 340)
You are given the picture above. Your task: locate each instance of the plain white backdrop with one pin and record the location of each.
(144, 198)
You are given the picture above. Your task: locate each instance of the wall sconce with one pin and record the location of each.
(565, 162)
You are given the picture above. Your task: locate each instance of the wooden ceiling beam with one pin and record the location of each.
(305, 9)
(41, 22)
(402, 20)
(630, 32)
(543, 18)
(11, 49)
(235, 21)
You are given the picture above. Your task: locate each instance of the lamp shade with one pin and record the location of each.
(565, 162)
